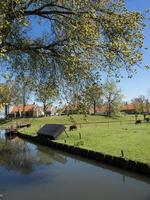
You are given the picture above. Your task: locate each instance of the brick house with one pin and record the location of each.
(31, 110)
(129, 108)
(50, 110)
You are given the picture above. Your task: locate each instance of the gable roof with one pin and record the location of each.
(126, 106)
(101, 108)
(51, 131)
(27, 108)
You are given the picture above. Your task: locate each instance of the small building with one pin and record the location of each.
(50, 110)
(99, 110)
(103, 109)
(32, 110)
(129, 108)
(51, 131)
(70, 109)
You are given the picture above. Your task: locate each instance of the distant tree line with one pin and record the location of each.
(90, 96)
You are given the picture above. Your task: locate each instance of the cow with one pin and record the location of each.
(138, 122)
(72, 127)
(147, 119)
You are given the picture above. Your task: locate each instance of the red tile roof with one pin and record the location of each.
(128, 107)
(27, 108)
(68, 107)
(101, 108)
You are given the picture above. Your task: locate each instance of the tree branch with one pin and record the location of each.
(51, 12)
(52, 5)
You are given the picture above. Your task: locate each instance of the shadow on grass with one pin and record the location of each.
(4, 121)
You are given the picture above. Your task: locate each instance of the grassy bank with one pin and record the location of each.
(107, 135)
(133, 139)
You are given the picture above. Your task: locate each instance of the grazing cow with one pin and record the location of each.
(138, 122)
(73, 127)
(147, 119)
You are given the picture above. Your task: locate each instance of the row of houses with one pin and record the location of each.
(102, 109)
(33, 110)
(126, 108)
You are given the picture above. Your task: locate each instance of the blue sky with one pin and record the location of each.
(140, 83)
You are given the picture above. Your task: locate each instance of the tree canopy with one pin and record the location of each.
(80, 35)
(112, 97)
(5, 95)
(141, 104)
(92, 95)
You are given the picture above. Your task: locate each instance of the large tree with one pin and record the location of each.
(5, 97)
(112, 97)
(46, 93)
(9, 93)
(45, 85)
(140, 103)
(5, 94)
(92, 95)
(79, 33)
(24, 85)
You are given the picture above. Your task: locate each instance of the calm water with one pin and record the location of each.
(34, 172)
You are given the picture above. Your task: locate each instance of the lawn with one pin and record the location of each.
(107, 135)
(133, 139)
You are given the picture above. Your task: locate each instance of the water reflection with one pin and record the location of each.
(29, 171)
(21, 156)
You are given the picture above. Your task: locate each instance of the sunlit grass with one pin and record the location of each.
(133, 139)
(108, 135)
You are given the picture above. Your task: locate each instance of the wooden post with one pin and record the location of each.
(80, 136)
(122, 153)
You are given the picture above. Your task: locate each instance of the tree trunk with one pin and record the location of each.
(109, 110)
(94, 105)
(24, 100)
(23, 110)
(44, 109)
(109, 105)
(6, 111)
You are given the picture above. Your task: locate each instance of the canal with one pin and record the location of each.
(35, 172)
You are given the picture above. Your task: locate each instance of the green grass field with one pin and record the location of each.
(107, 135)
